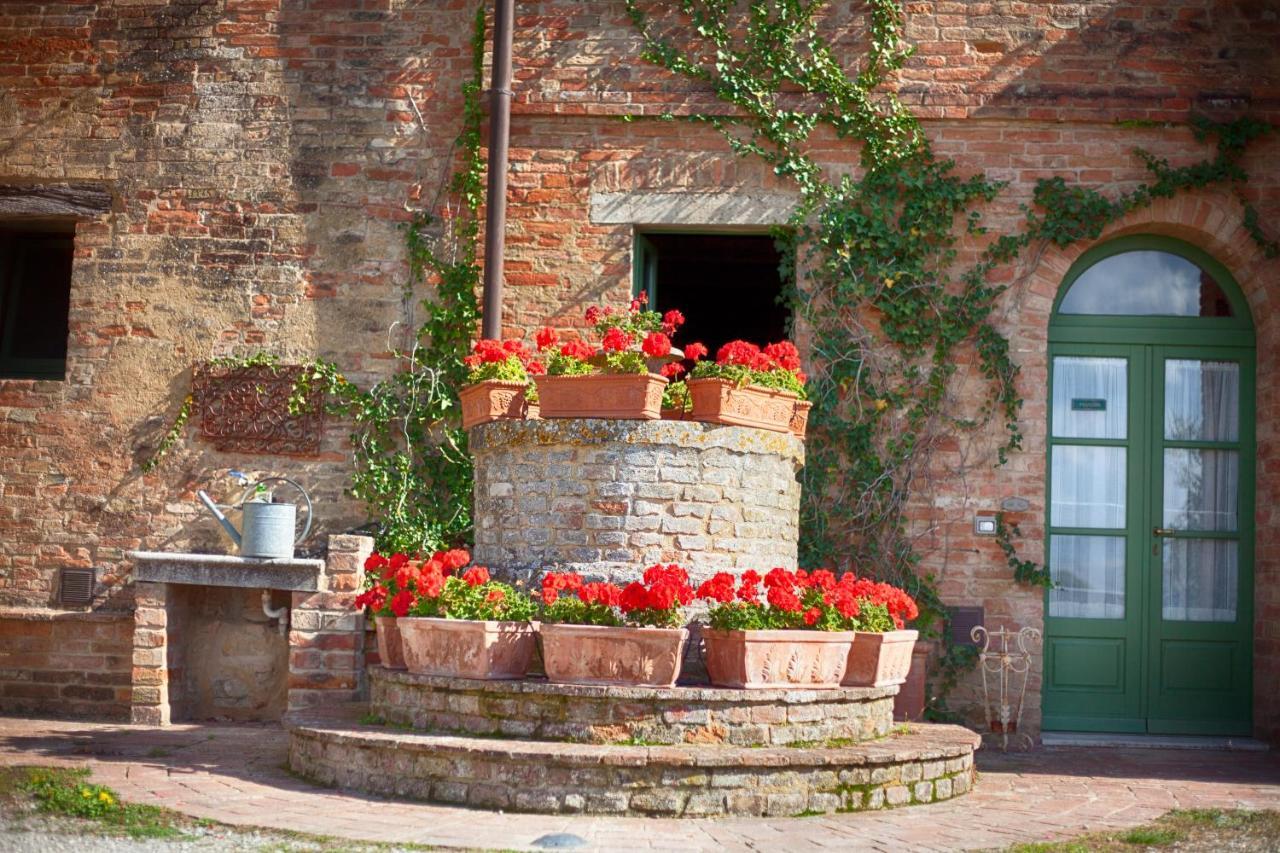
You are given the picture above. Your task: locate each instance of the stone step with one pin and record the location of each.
(923, 764)
(536, 709)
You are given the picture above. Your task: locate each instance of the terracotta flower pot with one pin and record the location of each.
(800, 418)
(880, 660)
(591, 654)
(494, 400)
(635, 396)
(675, 414)
(467, 648)
(763, 659)
(719, 401)
(390, 643)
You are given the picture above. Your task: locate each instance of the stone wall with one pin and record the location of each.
(611, 497)
(65, 664)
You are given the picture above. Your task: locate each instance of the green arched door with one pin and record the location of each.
(1149, 535)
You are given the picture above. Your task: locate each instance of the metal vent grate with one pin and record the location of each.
(963, 619)
(75, 587)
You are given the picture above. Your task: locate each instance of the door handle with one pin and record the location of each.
(1163, 531)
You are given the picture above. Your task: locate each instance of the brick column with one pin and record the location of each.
(326, 637)
(150, 696)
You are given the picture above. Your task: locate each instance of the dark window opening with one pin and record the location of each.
(727, 285)
(35, 299)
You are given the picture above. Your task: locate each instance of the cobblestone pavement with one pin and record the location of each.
(236, 774)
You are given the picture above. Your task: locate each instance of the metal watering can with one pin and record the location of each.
(268, 527)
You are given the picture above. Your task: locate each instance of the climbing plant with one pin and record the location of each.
(410, 462)
(879, 290)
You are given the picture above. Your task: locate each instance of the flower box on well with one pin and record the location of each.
(494, 400)
(880, 659)
(468, 648)
(719, 401)
(777, 659)
(800, 418)
(594, 654)
(390, 644)
(624, 396)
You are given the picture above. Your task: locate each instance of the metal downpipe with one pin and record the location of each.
(495, 224)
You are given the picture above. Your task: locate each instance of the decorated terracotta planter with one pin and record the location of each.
(591, 654)
(467, 648)
(718, 401)
(675, 414)
(390, 648)
(880, 660)
(494, 400)
(772, 659)
(622, 396)
(800, 417)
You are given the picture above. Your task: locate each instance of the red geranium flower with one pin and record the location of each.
(672, 369)
(656, 345)
(546, 338)
(402, 603)
(476, 576)
(695, 351)
(456, 558)
(738, 352)
(580, 350)
(671, 321)
(615, 340)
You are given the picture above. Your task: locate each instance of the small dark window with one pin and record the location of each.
(35, 298)
(727, 285)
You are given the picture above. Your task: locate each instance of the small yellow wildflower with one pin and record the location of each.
(915, 232)
(86, 793)
(888, 282)
(105, 797)
(881, 405)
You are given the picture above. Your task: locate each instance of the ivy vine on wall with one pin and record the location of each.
(873, 259)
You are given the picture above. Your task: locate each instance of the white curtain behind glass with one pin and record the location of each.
(1081, 379)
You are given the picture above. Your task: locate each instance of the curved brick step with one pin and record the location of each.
(536, 709)
(928, 763)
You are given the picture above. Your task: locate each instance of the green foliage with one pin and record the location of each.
(572, 610)
(1024, 571)
(676, 396)
(626, 362)
(748, 616)
(888, 314)
(741, 375)
(567, 365)
(487, 601)
(68, 793)
(510, 370)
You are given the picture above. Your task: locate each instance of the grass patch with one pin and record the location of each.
(68, 793)
(1191, 829)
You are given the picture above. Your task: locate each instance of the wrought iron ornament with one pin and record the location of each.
(1010, 662)
(246, 410)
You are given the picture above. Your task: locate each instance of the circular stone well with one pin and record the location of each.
(609, 497)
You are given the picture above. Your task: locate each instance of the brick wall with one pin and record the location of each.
(69, 664)
(262, 154)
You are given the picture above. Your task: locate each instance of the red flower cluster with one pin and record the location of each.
(546, 338)
(616, 340)
(656, 345)
(663, 588)
(580, 350)
(788, 592)
(671, 321)
(397, 582)
(779, 356)
(695, 351)
(554, 583)
(476, 576)
(489, 351)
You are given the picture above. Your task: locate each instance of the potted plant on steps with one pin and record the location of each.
(750, 386)
(624, 379)
(389, 592)
(881, 654)
(463, 624)
(598, 633)
(799, 637)
(498, 386)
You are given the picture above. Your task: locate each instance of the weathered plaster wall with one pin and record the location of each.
(261, 154)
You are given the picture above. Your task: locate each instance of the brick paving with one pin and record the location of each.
(236, 774)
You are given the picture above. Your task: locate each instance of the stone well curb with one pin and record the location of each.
(931, 762)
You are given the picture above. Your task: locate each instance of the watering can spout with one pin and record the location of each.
(222, 519)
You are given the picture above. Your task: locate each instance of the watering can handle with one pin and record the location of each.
(306, 528)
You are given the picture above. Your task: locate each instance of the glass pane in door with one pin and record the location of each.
(1201, 400)
(1090, 397)
(1201, 489)
(1200, 580)
(1088, 576)
(1087, 485)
